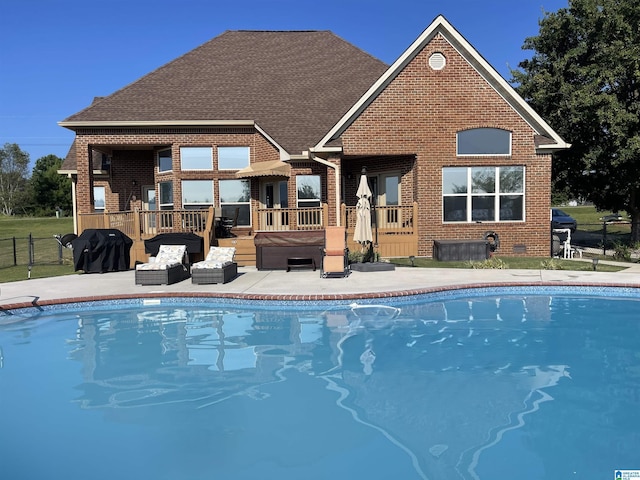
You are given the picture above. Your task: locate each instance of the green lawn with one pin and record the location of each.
(527, 263)
(588, 219)
(38, 227)
(46, 248)
(44, 229)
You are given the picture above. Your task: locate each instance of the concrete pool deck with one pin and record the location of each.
(300, 284)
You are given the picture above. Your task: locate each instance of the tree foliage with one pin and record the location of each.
(51, 190)
(584, 79)
(14, 165)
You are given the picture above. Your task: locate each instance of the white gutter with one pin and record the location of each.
(337, 169)
(155, 123)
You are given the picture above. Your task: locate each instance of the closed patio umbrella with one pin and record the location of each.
(363, 233)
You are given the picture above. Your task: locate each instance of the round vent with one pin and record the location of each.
(437, 61)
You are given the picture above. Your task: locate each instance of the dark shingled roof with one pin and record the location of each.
(295, 85)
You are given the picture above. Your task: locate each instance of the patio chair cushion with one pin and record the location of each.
(217, 257)
(168, 256)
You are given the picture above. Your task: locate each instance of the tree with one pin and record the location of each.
(14, 165)
(50, 189)
(584, 79)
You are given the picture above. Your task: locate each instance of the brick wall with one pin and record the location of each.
(418, 116)
(133, 157)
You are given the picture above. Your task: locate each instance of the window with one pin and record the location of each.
(166, 195)
(196, 158)
(164, 161)
(308, 193)
(197, 194)
(483, 194)
(234, 201)
(99, 199)
(308, 187)
(233, 158)
(484, 141)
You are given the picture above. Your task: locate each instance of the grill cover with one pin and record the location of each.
(101, 250)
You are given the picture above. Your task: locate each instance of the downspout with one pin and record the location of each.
(74, 207)
(337, 169)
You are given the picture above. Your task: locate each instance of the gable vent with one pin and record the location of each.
(437, 61)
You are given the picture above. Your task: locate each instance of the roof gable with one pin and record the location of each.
(294, 85)
(440, 26)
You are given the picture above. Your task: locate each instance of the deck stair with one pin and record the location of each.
(245, 249)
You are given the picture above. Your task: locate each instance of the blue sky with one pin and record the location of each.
(56, 55)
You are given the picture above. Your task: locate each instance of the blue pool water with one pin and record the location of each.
(508, 384)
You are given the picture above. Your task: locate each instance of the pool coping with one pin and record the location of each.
(321, 297)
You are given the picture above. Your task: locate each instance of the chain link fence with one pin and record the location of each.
(33, 251)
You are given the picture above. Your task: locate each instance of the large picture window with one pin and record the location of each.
(233, 158)
(483, 194)
(484, 141)
(235, 201)
(196, 158)
(197, 194)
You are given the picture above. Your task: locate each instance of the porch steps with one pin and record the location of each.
(245, 249)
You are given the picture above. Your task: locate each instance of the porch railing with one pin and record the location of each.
(394, 227)
(143, 224)
(278, 219)
(395, 219)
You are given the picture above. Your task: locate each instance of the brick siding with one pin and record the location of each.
(417, 117)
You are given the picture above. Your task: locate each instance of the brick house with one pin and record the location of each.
(271, 130)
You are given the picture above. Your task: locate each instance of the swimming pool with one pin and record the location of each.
(540, 383)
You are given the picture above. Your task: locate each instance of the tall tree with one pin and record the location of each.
(584, 78)
(50, 189)
(14, 165)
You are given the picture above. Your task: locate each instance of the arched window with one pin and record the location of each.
(484, 141)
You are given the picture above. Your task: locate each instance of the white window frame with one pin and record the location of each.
(239, 154)
(99, 193)
(246, 206)
(166, 205)
(301, 203)
(480, 153)
(469, 195)
(160, 152)
(189, 186)
(202, 156)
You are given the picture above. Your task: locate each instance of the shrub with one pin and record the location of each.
(493, 262)
(621, 252)
(551, 264)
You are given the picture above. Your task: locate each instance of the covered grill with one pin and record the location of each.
(101, 250)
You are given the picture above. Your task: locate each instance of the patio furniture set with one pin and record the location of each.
(171, 264)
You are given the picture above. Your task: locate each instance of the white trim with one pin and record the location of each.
(156, 123)
(441, 26)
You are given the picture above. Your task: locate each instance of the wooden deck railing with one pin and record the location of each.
(394, 227)
(397, 219)
(142, 224)
(278, 219)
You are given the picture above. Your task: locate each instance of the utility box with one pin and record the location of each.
(460, 250)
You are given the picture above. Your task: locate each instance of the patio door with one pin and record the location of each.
(149, 206)
(275, 197)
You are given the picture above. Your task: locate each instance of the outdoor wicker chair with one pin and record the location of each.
(217, 267)
(169, 266)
